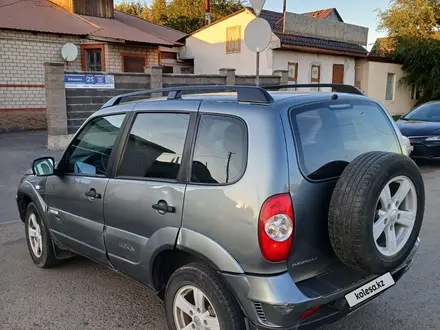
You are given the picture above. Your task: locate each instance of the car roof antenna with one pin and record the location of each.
(335, 96)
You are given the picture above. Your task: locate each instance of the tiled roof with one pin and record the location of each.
(324, 13)
(294, 40)
(276, 21)
(382, 47)
(45, 16)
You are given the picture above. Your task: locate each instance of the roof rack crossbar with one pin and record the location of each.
(339, 88)
(251, 94)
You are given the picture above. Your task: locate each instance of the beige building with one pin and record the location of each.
(34, 32)
(379, 77)
(313, 47)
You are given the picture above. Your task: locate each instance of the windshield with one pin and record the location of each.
(425, 112)
(329, 135)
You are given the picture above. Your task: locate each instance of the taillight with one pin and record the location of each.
(276, 228)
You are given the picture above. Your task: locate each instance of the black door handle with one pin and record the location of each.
(93, 194)
(163, 207)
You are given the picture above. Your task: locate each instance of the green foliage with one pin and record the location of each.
(421, 64)
(183, 15)
(410, 18)
(138, 8)
(413, 40)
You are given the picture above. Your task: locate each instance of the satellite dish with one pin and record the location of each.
(69, 52)
(257, 35)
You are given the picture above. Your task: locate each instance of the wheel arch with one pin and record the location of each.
(23, 201)
(203, 246)
(27, 194)
(190, 247)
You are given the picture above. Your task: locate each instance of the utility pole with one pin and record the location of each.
(207, 12)
(284, 6)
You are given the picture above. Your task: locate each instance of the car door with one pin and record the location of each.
(143, 203)
(75, 193)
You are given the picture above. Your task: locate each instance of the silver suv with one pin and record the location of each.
(242, 208)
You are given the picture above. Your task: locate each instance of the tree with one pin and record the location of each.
(189, 15)
(410, 18)
(183, 15)
(413, 40)
(159, 12)
(421, 63)
(138, 8)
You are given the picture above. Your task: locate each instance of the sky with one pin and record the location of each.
(358, 12)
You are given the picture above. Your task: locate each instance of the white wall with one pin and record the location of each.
(306, 60)
(374, 82)
(208, 49)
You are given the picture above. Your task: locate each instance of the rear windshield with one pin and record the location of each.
(330, 135)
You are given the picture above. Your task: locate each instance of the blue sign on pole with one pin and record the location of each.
(98, 81)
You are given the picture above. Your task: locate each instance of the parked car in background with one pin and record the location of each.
(251, 210)
(422, 127)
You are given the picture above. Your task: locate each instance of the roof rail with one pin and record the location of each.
(251, 94)
(339, 88)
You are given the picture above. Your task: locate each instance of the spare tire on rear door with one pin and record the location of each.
(376, 211)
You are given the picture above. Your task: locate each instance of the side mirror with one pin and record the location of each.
(43, 166)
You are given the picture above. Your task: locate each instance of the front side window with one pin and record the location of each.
(330, 135)
(221, 150)
(89, 154)
(155, 146)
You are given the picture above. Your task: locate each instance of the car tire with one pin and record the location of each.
(198, 279)
(361, 206)
(38, 239)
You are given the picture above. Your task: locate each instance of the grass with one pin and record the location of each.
(396, 117)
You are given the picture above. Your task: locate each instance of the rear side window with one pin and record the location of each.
(330, 135)
(155, 146)
(221, 150)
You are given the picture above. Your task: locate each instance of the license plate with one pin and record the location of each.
(370, 289)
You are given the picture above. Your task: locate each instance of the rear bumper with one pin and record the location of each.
(276, 302)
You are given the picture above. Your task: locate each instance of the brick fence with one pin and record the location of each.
(67, 109)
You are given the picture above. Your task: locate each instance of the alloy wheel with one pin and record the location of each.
(35, 237)
(395, 216)
(193, 311)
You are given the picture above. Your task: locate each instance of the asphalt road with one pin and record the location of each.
(84, 295)
(17, 151)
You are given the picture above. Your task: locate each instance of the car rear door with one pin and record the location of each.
(144, 199)
(75, 193)
(325, 138)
